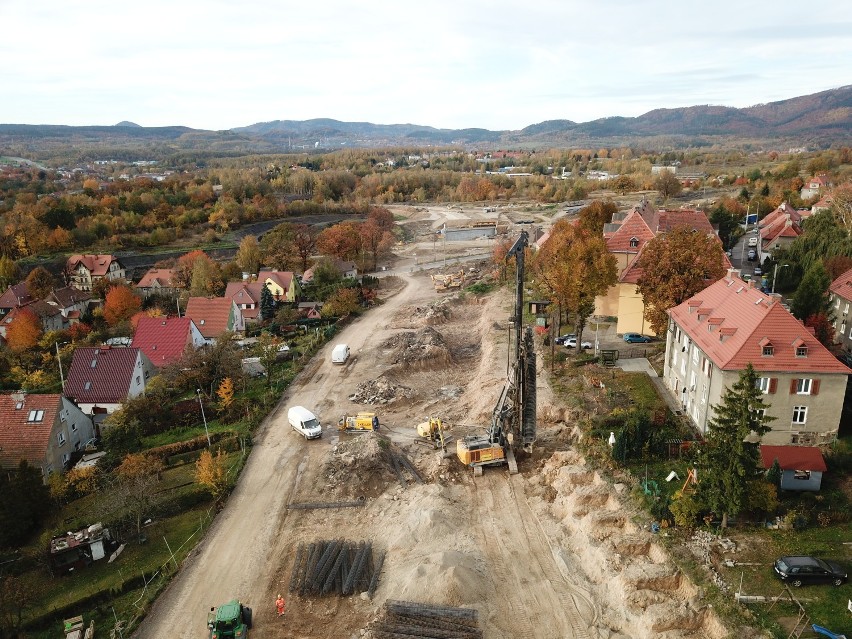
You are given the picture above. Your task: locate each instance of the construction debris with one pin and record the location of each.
(425, 346)
(336, 566)
(417, 620)
(379, 391)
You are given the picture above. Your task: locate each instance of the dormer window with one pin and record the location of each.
(768, 350)
(87, 386)
(201, 322)
(634, 242)
(19, 405)
(801, 351)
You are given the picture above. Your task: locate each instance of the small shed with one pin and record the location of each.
(801, 466)
(537, 307)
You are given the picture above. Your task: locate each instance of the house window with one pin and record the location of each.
(73, 427)
(803, 386)
(60, 437)
(19, 405)
(634, 242)
(768, 351)
(201, 322)
(843, 327)
(65, 458)
(695, 356)
(762, 384)
(138, 379)
(846, 308)
(87, 386)
(759, 414)
(35, 416)
(802, 474)
(800, 414)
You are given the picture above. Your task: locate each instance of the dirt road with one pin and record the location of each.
(550, 553)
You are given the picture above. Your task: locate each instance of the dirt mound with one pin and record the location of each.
(426, 347)
(449, 577)
(435, 313)
(380, 391)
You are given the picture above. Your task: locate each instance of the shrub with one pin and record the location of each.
(685, 510)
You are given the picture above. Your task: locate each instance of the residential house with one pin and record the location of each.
(310, 310)
(102, 377)
(840, 294)
(215, 316)
(626, 237)
(815, 186)
(346, 269)
(716, 333)
(824, 204)
(164, 340)
(44, 430)
(83, 271)
(779, 228)
(285, 287)
(158, 281)
(15, 296)
(801, 466)
(71, 302)
(246, 296)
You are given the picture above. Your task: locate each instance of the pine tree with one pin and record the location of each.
(728, 463)
(267, 304)
(811, 297)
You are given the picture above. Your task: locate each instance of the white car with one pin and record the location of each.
(752, 241)
(571, 342)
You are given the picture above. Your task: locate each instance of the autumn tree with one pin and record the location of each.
(304, 243)
(225, 392)
(136, 478)
(211, 473)
(667, 185)
(675, 266)
(10, 273)
(623, 184)
(24, 332)
(595, 215)
(573, 267)
(342, 241)
(841, 206)
(120, 305)
(823, 330)
(206, 279)
(182, 275)
(730, 456)
(375, 241)
(16, 596)
(248, 255)
(40, 283)
(342, 302)
(837, 266)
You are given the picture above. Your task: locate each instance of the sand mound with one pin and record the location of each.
(447, 577)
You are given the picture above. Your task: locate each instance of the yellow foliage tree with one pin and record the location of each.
(226, 392)
(210, 473)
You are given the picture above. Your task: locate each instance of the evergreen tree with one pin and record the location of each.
(267, 304)
(728, 463)
(811, 298)
(24, 501)
(773, 475)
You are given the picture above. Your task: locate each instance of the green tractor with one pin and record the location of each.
(231, 619)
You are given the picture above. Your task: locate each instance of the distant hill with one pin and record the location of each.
(820, 119)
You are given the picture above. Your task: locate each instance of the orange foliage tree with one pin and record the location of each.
(24, 331)
(341, 240)
(120, 305)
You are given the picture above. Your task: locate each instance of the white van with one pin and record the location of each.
(340, 354)
(304, 422)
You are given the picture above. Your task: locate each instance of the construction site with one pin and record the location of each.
(465, 512)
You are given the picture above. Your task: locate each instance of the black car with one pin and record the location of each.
(561, 339)
(809, 570)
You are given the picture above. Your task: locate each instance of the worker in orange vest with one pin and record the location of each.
(279, 605)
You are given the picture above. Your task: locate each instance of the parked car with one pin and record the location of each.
(561, 339)
(758, 270)
(752, 241)
(797, 571)
(751, 255)
(571, 342)
(636, 338)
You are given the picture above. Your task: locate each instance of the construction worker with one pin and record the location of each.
(279, 605)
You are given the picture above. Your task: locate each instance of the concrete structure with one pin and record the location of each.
(44, 430)
(716, 333)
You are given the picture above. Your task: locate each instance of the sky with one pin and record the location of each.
(499, 65)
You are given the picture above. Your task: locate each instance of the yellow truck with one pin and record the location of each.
(358, 422)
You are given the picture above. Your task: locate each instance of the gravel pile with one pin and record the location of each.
(380, 391)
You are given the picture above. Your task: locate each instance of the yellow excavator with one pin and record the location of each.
(434, 431)
(360, 422)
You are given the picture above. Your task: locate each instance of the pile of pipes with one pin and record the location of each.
(336, 567)
(410, 620)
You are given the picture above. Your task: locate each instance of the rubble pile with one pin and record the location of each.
(380, 391)
(419, 348)
(701, 546)
(435, 313)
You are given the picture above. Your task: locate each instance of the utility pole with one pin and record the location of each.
(203, 417)
(59, 361)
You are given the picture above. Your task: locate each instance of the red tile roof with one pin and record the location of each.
(670, 219)
(67, 296)
(842, 286)
(15, 296)
(162, 276)
(107, 381)
(22, 439)
(162, 339)
(98, 265)
(750, 318)
(633, 226)
(210, 314)
(245, 293)
(793, 457)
